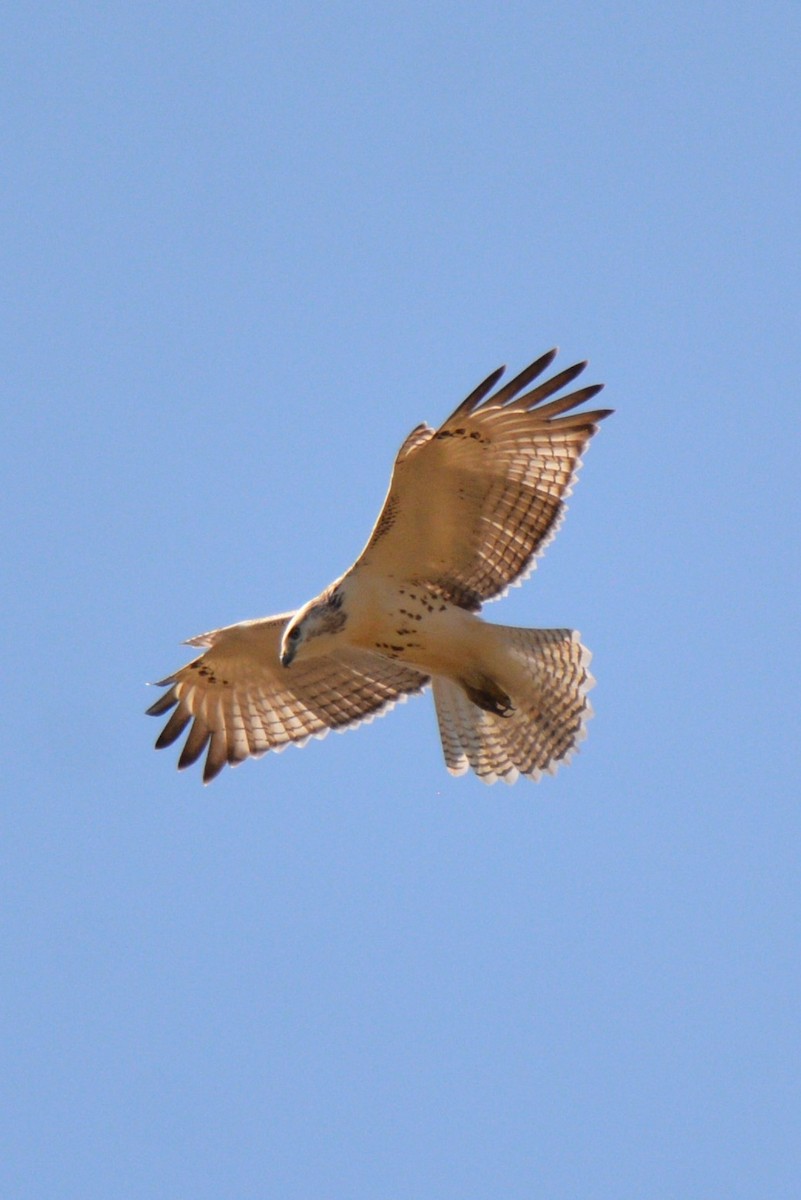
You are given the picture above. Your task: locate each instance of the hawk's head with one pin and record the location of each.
(314, 627)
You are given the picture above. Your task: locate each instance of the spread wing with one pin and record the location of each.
(242, 702)
(471, 504)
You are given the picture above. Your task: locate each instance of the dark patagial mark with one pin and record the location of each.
(385, 521)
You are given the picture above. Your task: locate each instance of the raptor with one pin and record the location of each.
(470, 506)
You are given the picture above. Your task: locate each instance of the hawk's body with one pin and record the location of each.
(469, 507)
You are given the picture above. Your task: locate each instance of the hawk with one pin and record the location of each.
(469, 508)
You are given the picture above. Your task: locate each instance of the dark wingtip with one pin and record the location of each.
(161, 706)
(478, 394)
(533, 399)
(523, 379)
(174, 728)
(194, 746)
(211, 770)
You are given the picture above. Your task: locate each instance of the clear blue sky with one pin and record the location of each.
(247, 248)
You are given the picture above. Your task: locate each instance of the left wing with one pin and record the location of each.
(471, 504)
(242, 702)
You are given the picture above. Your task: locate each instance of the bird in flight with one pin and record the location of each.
(469, 508)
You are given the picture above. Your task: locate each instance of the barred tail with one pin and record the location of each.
(549, 713)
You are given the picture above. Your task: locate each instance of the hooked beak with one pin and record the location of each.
(287, 654)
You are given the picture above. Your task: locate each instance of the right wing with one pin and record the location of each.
(244, 702)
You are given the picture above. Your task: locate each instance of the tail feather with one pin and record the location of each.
(550, 711)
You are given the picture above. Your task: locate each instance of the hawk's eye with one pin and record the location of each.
(294, 634)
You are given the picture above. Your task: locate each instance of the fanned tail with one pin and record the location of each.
(548, 718)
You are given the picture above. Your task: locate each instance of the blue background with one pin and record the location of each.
(247, 247)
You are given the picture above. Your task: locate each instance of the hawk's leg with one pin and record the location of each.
(485, 693)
